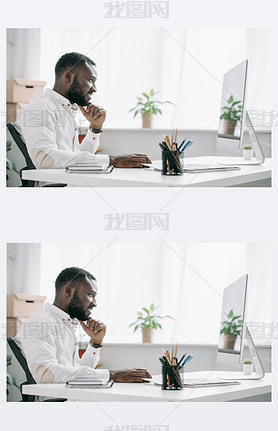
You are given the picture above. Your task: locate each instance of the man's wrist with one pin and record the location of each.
(95, 345)
(94, 129)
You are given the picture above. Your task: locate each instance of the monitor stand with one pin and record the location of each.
(239, 161)
(259, 374)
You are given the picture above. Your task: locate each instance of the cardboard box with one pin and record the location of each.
(24, 305)
(13, 325)
(13, 109)
(23, 90)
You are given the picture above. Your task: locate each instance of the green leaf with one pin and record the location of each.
(146, 310)
(136, 327)
(146, 95)
(152, 92)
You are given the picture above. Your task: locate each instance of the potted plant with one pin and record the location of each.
(231, 328)
(247, 152)
(147, 320)
(231, 113)
(148, 107)
(247, 366)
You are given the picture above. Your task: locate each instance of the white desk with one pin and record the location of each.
(248, 175)
(248, 390)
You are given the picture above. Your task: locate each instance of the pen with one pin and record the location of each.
(181, 144)
(186, 360)
(182, 358)
(187, 145)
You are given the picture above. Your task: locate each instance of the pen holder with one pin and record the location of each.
(171, 377)
(171, 164)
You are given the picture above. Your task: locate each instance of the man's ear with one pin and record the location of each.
(69, 291)
(69, 77)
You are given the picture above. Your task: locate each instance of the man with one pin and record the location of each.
(48, 337)
(48, 127)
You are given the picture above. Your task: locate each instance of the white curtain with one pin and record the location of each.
(185, 66)
(185, 281)
(23, 53)
(24, 268)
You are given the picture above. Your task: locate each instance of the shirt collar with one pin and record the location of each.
(65, 317)
(63, 101)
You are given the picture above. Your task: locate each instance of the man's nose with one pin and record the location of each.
(94, 303)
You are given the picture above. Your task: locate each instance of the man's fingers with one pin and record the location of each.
(82, 109)
(83, 324)
(96, 325)
(92, 110)
(141, 372)
(141, 158)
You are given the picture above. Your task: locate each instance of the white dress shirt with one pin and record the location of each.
(49, 344)
(48, 128)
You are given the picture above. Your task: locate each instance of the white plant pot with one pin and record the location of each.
(247, 154)
(247, 369)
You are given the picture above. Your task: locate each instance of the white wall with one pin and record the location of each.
(123, 141)
(118, 356)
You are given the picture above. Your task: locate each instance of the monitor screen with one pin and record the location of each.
(232, 317)
(230, 131)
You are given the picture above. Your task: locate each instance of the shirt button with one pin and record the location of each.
(94, 353)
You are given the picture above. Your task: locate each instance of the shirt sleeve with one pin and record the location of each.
(40, 139)
(90, 142)
(41, 355)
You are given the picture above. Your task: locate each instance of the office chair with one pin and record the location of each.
(29, 164)
(30, 380)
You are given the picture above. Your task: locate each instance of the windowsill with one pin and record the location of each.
(165, 130)
(163, 345)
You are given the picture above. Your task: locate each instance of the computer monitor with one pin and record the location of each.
(231, 121)
(233, 317)
(234, 332)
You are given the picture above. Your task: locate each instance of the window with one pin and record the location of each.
(185, 66)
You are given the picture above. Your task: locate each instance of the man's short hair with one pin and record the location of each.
(71, 61)
(71, 276)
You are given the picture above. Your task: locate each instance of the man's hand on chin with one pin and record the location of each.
(133, 375)
(129, 161)
(95, 114)
(95, 329)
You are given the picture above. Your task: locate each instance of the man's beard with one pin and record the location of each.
(75, 310)
(74, 94)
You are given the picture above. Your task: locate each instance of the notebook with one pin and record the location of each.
(88, 382)
(88, 168)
